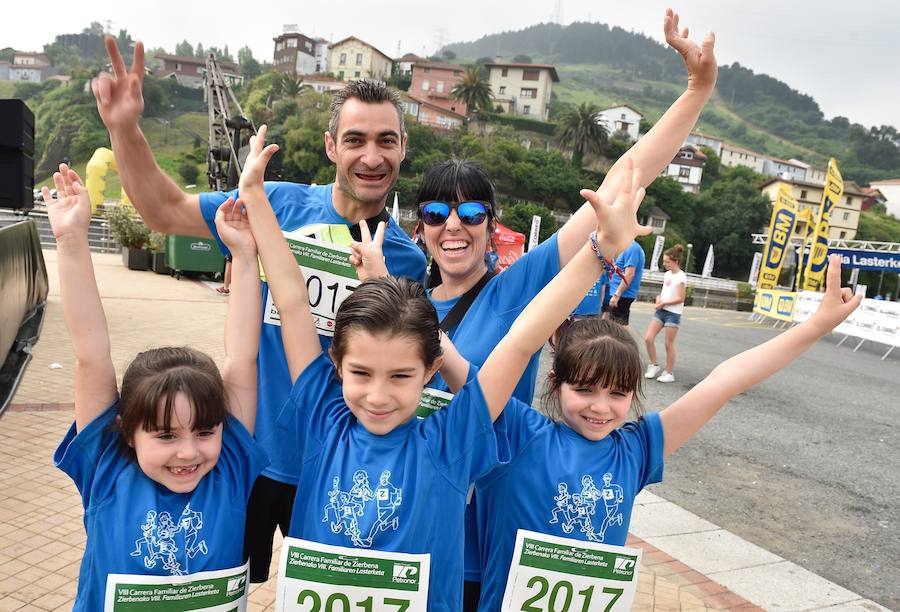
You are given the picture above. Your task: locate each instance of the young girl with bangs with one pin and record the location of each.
(373, 475)
(575, 472)
(165, 466)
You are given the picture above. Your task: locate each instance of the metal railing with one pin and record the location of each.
(99, 237)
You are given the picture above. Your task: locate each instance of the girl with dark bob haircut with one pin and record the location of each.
(164, 468)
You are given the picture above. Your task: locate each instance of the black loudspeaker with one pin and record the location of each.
(16, 126)
(16, 179)
(16, 155)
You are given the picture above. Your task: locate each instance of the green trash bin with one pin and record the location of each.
(187, 254)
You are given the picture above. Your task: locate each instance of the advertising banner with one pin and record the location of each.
(657, 251)
(874, 320)
(775, 304)
(868, 260)
(781, 228)
(814, 274)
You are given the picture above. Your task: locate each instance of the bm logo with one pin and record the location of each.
(782, 228)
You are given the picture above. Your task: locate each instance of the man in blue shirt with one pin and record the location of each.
(623, 290)
(366, 140)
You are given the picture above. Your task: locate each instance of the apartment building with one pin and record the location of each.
(523, 89)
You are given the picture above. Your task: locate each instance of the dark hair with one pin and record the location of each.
(594, 351)
(391, 305)
(369, 91)
(153, 380)
(675, 253)
(452, 181)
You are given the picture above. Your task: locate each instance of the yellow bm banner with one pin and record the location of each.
(775, 304)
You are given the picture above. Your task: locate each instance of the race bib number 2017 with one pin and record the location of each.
(330, 278)
(563, 575)
(315, 577)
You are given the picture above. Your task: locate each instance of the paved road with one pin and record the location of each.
(805, 465)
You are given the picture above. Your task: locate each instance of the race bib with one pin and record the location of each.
(330, 278)
(315, 577)
(564, 575)
(215, 591)
(431, 401)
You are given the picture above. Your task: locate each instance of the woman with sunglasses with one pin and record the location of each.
(457, 209)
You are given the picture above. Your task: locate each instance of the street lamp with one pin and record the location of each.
(687, 260)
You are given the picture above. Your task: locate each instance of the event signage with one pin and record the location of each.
(314, 577)
(775, 304)
(553, 573)
(330, 278)
(814, 276)
(781, 228)
(868, 260)
(657, 251)
(214, 591)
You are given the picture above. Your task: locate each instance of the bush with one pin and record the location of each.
(188, 172)
(518, 217)
(127, 227)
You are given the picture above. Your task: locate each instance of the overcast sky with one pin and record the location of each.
(846, 55)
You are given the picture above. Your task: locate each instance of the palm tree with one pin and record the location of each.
(474, 90)
(583, 130)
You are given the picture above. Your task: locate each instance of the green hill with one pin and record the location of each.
(606, 65)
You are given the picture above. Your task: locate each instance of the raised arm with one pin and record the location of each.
(161, 203)
(286, 282)
(95, 377)
(656, 148)
(688, 414)
(242, 320)
(616, 228)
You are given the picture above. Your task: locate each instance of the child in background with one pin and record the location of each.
(353, 409)
(576, 473)
(669, 307)
(163, 470)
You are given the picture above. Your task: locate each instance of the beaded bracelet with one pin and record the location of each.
(608, 266)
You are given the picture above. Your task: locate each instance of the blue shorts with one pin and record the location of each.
(667, 317)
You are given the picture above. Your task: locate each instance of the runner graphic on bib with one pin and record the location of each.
(160, 545)
(572, 510)
(362, 513)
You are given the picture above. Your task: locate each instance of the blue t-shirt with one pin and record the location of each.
(498, 304)
(633, 256)
(590, 305)
(404, 491)
(295, 206)
(135, 525)
(560, 483)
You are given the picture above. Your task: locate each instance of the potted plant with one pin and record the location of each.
(158, 249)
(131, 234)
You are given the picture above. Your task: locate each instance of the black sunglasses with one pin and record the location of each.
(470, 212)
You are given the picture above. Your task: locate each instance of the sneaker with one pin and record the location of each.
(666, 377)
(653, 371)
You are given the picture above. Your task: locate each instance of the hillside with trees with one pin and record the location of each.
(606, 65)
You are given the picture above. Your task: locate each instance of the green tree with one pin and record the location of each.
(582, 129)
(474, 90)
(250, 68)
(184, 49)
(518, 217)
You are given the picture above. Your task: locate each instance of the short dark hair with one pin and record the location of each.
(454, 180)
(155, 377)
(391, 305)
(594, 351)
(369, 91)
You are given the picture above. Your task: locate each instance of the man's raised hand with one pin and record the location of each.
(367, 256)
(119, 98)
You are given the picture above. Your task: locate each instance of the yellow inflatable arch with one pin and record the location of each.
(101, 162)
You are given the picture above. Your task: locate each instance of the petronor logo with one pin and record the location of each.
(404, 572)
(235, 585)
(623, 565)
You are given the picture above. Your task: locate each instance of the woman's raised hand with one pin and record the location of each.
(367, 255)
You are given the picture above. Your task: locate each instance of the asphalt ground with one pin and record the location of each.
(806, 464)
